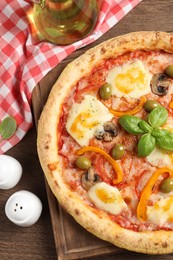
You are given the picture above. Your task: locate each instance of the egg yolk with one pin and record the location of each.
(127, 82)
(82, 120)
(165, 208)
(104, 196)
(168, 204)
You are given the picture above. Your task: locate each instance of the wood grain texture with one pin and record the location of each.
(37, 242)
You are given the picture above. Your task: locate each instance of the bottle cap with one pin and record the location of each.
(23, 208)
(11, 172)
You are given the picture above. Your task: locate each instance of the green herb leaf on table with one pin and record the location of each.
(8, 127)
(146, 145)
(158, 116)
(131, 124)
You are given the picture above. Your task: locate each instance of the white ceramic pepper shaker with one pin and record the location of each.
(10, 172)
(23, 208)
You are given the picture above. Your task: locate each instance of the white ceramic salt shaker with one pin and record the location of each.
(23, 208)
(10, 172)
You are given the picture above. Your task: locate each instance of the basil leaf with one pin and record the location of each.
(146, 145)
(157, 132)
(130, 124)
(165, 141)
(8, 127)
(158, 116)
(145, 126)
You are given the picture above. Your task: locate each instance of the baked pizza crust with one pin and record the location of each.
(97, 222)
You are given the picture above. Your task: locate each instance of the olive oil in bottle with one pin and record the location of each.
(65, 21)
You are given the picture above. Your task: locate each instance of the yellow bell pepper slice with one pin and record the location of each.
(133, 111)
(147, 191)
(171, 102)
(115, 165)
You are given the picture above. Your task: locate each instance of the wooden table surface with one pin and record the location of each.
(37, 241)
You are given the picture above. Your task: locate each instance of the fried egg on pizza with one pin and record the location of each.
(131, 79)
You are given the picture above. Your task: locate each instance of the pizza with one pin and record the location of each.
(105, 141)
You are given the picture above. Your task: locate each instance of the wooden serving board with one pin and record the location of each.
(71, 240)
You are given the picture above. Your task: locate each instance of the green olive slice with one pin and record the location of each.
(149, 105)
(167, 185)
(105, 91)
(117, 151)
(169, 70)
(83, 163)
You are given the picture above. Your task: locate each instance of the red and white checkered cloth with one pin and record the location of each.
(25, 60)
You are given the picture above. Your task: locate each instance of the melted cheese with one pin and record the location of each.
(85, 117)
(130, 80)
(107, 198)
(160, 158)
(161, 212)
